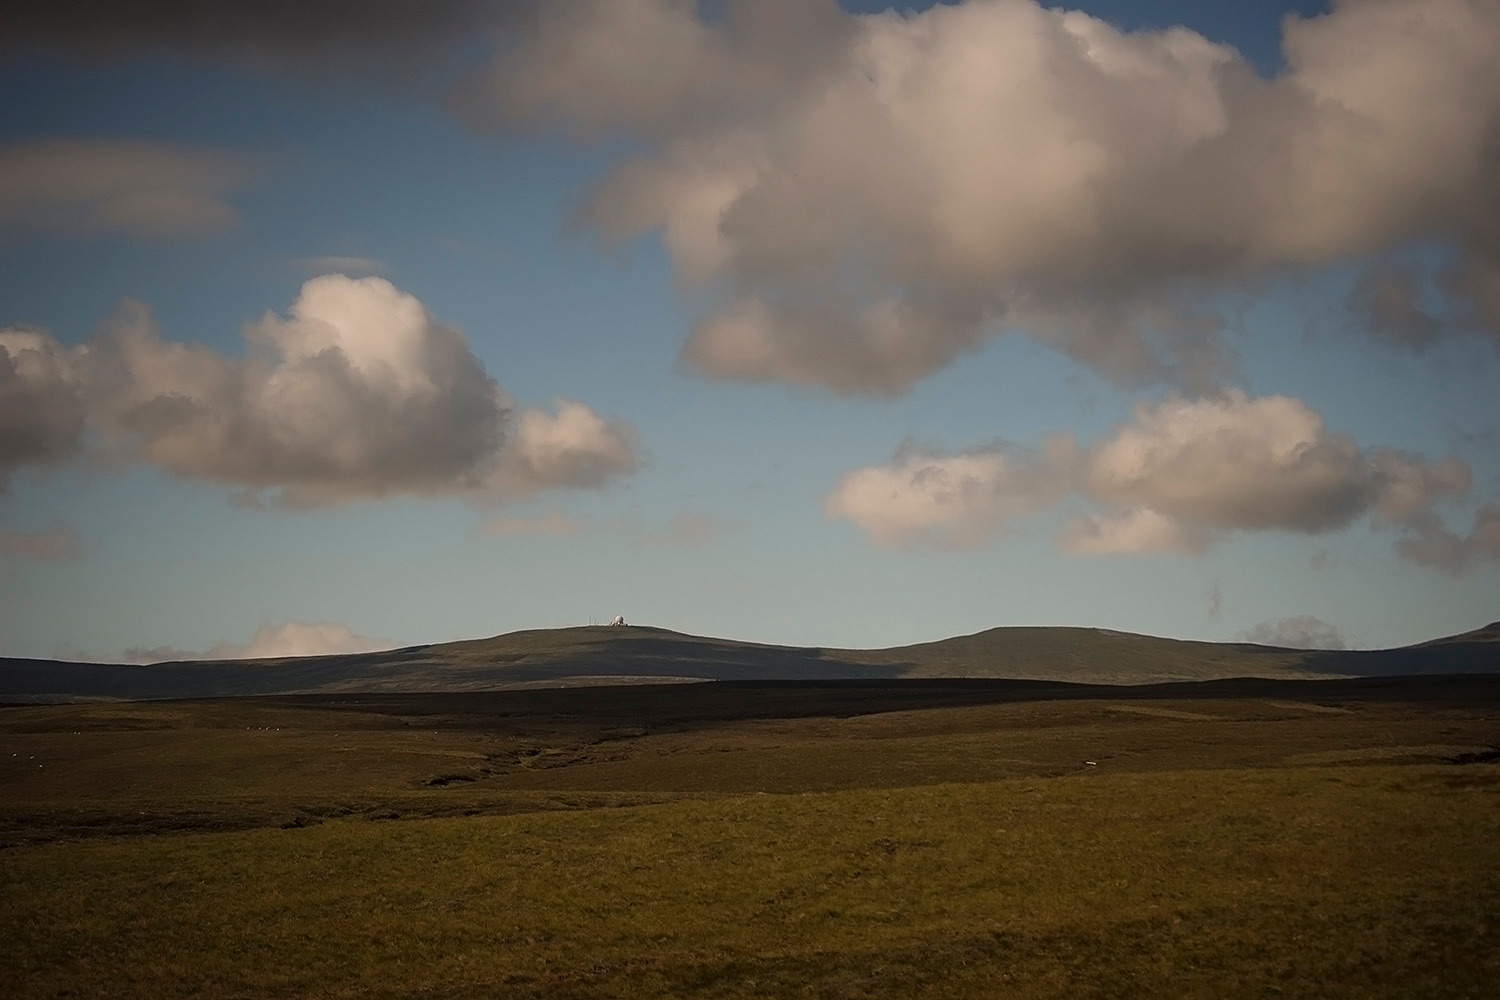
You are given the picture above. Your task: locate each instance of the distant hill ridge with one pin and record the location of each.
(602, 654)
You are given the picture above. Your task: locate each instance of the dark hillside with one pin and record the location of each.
(1090, 656)
(603, 655)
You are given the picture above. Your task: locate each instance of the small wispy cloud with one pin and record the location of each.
(687, 529)
(55, 542)
(1296, 632)
(351, 265)
(93, 186)
(553, 522)
(292, 638)
(1429, 543)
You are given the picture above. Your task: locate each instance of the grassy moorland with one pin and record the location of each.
(877, 838)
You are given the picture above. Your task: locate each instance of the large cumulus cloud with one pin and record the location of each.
(1176, 477)
(357, 393)
(1236, 462)
(871, 196)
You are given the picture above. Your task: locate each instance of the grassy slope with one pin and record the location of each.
(1080, 655)
(1087, 655)
(595, 654)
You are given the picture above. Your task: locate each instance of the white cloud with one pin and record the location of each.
(105, 185)
(1408, 485)
(1179, 475)
(1296, 632)
(1188, 469)
(41, 409)
(1430, 543)
(358, 393)
(601, 64)
(1234, 462)
(873, 195)
(42, 420)
(951, 501)
(576, 449)
(292, 638)
(880, 347)
(1136, 529)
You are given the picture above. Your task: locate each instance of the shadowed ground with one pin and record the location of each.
(111, 767)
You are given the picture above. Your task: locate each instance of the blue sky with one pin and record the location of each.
(867, 327)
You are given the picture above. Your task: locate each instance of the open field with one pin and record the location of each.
(866, 838)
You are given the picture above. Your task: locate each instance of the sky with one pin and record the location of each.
(330, 326)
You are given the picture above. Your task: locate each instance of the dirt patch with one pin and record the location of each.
(1490, 756)
(1163, 713)
(623, 733)
(448, 779)
(1426, 751)
(1307, 706)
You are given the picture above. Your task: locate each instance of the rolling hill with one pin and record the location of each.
(598, 655)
